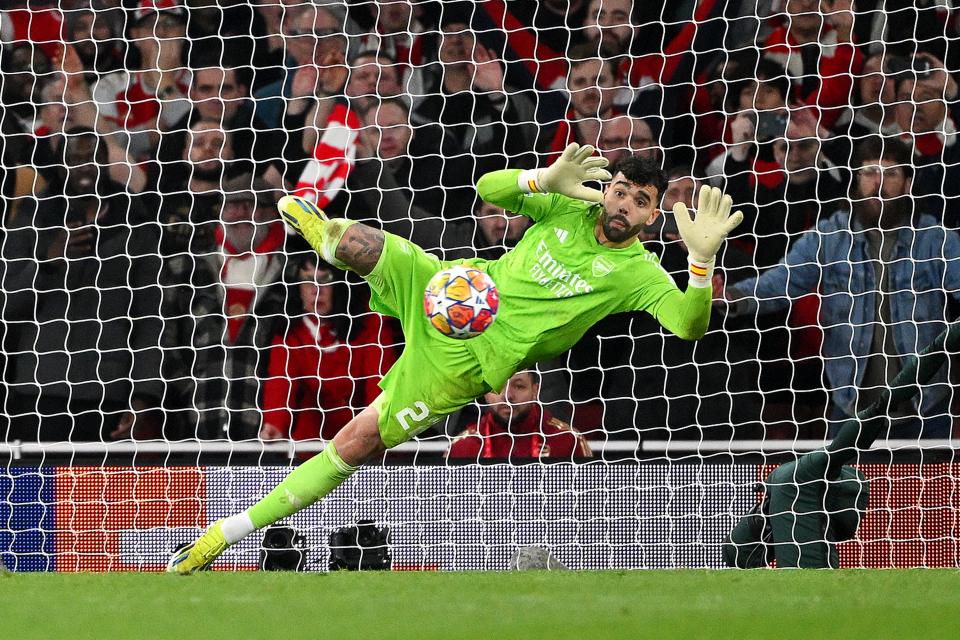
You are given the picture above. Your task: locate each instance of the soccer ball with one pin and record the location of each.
(461, 302)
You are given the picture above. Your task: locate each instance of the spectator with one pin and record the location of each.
(790, 198)
(223, 309)
(144, 102)
(373, 77)
(24, 68)
(758, 108)
(327, 365)
(927, 112)
(23, 64)
(53, 119)
(39, 21)
(328, 156)
(82, 111)
(612, 34)
(81, 300)
(609, 24)
(93, 34)
(317, 118)
(397, 33)
(513, 426)
(269, 57)
(315, 64)
(187, 195)
(484, 120)
(592, 92)
(873, 113)
(815, 46)
(219, 94)
(556, 23)
(498, 231)
(623, 136)
(883, 281)
(403, 191)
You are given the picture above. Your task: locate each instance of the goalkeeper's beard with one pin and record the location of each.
(615, 233)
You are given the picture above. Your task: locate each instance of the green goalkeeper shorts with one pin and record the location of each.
(436, 375)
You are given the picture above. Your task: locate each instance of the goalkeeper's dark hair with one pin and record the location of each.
(643, 172)
(888, 148)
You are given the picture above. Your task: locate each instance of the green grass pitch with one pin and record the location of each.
(584, 605)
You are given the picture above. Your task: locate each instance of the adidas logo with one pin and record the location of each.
(561, 234)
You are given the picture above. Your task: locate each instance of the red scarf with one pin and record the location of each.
(238, 300)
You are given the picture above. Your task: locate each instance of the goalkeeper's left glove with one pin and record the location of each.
(704, 234)
(566, 176)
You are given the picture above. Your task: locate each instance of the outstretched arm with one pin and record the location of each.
(564, 178)
(687, 314)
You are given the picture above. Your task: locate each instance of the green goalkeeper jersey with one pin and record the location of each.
(559, 281)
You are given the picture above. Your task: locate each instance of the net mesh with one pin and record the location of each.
(169, 347)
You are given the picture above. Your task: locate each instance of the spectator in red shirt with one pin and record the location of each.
(815, 46)
(515, 425)
(152, 99)
(327, 363)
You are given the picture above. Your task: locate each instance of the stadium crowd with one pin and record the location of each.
(149, 288)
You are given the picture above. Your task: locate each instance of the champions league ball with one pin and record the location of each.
(461, 302)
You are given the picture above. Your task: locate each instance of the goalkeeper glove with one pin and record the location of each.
(566, 176)
(704, 234)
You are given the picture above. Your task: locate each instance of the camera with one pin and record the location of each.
(283, 549)
(770, 125)
(915, 66)
(364, 547)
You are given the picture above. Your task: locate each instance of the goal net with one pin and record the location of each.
(171, 348)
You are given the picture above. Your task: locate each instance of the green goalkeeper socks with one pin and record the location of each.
(306, 484)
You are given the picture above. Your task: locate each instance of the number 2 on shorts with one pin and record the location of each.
(419, 411)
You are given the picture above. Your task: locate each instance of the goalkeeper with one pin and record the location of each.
(817, 500)
(578, 263)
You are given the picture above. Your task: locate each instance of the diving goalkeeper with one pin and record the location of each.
(579, 262)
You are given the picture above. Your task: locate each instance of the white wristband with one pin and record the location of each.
(529, 181)
(701, 274)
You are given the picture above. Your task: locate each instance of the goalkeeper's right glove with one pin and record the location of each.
(566, 176)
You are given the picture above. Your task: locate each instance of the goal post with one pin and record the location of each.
(171, 349)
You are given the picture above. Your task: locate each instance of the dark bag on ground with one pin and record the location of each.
(365, 547)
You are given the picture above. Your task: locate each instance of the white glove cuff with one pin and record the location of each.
(529, 181)
(701, 273)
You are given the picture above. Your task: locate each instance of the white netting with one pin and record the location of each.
(157, 315)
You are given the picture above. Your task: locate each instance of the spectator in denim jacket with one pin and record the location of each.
(883, 277)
